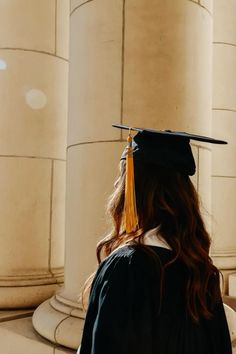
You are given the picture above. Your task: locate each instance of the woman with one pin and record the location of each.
(156, 290)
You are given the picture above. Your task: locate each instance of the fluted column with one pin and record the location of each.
(33, 110)
(224, 124)
(137, 62)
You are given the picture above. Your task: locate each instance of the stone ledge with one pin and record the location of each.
(21, 297)
(19, 336)
(6, 315)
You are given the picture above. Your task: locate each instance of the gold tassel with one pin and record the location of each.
(130, 209)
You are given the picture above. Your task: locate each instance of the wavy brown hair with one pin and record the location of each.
(168, 199)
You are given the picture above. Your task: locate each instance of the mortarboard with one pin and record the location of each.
(165, 148)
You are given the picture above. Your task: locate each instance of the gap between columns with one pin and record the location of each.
(50, 221)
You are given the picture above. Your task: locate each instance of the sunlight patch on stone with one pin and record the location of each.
(36, 99)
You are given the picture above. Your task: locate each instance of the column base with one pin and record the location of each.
(26, 293)
(59, 323)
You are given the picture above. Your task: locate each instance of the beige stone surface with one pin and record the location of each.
(91, 172)
(74, 4)
(25, 191)
(95, 71)
(58, 215)
(21, 296)
(59, 306)
(45, 320)
(223, 157)
(71, 307)
(204, 166)
(33, 132)
(208, 4)
(67, 301)
(64, 350)
(224, 71)
(225, 262)
(167, 73)
(195, 177)
(224, 21)
(34, 30)
(19, 335)
(204, 185)
(6, 315)
(71, 325)
(223, 221)
(62, 28)
(232, 285)
(55, 326)
(231, 319)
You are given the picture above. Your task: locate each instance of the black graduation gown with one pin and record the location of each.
(125, 315)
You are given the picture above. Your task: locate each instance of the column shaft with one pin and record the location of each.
(224, 123)
(33, 80)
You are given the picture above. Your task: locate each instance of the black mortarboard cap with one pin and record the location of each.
(166, 148)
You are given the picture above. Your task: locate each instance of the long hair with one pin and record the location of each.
(168, 199)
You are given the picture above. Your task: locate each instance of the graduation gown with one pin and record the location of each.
(127, 315)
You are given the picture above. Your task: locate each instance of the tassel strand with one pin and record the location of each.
(130, 209)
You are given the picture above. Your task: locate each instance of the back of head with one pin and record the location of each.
(166, 198)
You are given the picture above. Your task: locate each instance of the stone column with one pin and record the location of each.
(224, 124)
(33, 110)
(137, 62)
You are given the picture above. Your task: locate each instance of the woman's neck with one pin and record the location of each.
(153, 238)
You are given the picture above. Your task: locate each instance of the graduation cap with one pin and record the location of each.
(165, 148)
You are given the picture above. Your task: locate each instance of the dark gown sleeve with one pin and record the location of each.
(218, 331)
(122, 300)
